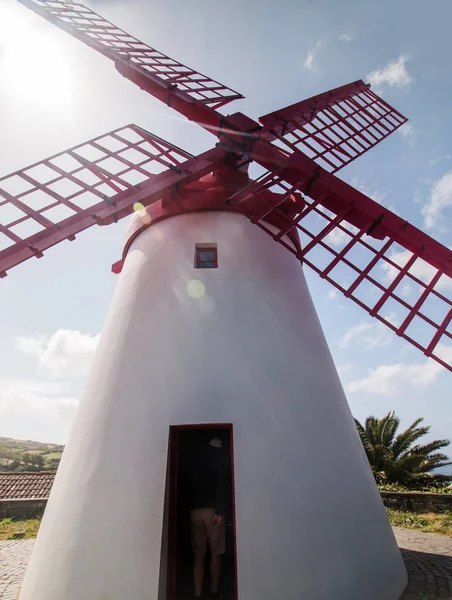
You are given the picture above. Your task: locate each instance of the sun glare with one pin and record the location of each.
(34, 67)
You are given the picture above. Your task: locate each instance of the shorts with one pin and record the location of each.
(203, 530)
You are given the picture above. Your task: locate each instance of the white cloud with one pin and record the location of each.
(36, 409)
(343, 369)
(409, 132)
(373, 193)
(425, 180)
(440, 198)
(363, 187)
(67, 353)
(406, 290)
(337, 237)
(387, 380)
(309, 60)
(334, 296)
(394, 74)
(368, 335)
(43, 409)
(346, 38)
(420, 269)
(438, 159)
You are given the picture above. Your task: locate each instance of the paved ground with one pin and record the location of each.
(428, 558)
(14, 557)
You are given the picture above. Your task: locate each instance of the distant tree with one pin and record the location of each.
(14, 465)
(52, 464)
(397, 458)
(32, 462)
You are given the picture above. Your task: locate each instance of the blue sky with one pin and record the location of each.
(55, 93)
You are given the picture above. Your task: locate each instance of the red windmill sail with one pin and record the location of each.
(114, 43)
(336, 127)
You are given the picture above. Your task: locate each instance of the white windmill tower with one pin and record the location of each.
(212, 326)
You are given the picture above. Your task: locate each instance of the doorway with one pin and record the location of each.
(187, 445)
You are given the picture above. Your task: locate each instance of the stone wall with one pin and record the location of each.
(418, 502)
(22, 509)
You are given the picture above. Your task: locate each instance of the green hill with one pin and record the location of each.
(14, 451)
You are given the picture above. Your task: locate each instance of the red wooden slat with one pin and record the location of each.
(336, 127)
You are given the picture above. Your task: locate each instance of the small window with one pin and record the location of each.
(206, 256)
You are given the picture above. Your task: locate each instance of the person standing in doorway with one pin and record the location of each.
(207, 493)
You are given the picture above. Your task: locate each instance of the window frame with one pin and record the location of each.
(206, 248)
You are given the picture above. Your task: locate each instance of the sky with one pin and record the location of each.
(55, 93)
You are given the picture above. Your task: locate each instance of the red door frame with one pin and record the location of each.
(172, 503)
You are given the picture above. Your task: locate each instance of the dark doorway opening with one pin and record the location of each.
(187, 444)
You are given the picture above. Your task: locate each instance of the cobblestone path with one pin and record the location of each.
(428, 558)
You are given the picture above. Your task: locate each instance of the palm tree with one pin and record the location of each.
(397, 458)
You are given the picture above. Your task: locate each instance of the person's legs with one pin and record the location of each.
(215, 573)
(198, 574)
(217, 543)
(199, 546)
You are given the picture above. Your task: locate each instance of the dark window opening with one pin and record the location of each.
(206, 257)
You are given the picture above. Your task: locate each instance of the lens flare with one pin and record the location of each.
(196, 289)
(206, 304)
(142, 213)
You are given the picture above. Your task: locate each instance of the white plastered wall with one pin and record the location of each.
(250, 351)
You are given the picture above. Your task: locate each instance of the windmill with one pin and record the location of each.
(212, 324)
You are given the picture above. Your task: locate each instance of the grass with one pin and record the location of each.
(52, 455)
(428, 522)
(9, 526)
